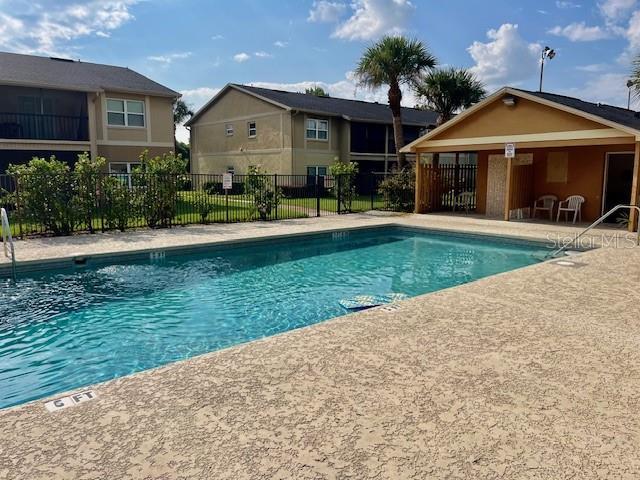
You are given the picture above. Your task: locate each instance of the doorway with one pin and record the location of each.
(618, 177)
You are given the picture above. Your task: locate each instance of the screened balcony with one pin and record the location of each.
(40, 114)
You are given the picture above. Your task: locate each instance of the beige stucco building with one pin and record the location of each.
(51, 106)
(294, 133)
(564, 147)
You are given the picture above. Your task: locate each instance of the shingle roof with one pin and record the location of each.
(622, 116)
(75, 75)
(351, 109)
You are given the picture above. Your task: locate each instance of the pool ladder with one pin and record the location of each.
(558, 251)
(7, 242)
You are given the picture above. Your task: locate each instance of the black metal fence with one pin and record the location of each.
(61, 204)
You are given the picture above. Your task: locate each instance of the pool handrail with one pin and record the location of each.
(595, 224)
(7, 241)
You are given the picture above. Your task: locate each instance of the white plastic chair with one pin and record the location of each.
(545, 204)
(571, 204)
(464, 200)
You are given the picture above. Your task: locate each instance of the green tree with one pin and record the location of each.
(181, 113)
(317, 91)
(345, 174)
(266, 197)
(394, 61)
(449, 90)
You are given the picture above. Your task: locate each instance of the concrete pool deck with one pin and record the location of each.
(533, 373)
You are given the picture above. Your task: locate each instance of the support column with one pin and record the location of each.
(635, 189)
(507, 190)
(419, 200)
(91, 115)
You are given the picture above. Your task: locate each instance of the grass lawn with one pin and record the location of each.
(234, 208)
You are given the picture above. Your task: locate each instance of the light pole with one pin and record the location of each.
(546, 53)
(629, 85)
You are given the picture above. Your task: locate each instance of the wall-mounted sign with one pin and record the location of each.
(227, 181)
(70, 401)
(509, 150)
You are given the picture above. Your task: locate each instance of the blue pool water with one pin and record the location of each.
(65, 329)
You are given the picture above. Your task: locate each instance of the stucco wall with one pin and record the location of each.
(585, 175)
(525, 117)
(158, 116)
(213, 151)
(118, 153)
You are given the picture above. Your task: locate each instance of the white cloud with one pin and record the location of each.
(565, 4)
(373, 18)
(580, 32)
(241, 57)
(633, 31)
(346, 88)
(325, 11)
(609, 88)
(506, 59)
(169, 57)
(217, 37)
(262, 54)
(614, 10)
(280, 44)
(52, 31)
(593, 68)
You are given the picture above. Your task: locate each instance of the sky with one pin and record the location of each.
(196, 47)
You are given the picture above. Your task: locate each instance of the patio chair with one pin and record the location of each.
(545, 204)
(573, 204)
(464, 200)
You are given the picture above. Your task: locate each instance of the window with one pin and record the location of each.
(228, 129)
(251, 129)
(125, 113)
(316, 172)
(123, 170)
(317, 129)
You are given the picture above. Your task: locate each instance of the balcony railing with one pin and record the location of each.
(27, 126)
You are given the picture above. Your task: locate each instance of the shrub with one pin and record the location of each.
(156, 183)
(116, 203)
(265, 196)
(203, 205)
(87, 176)
(345, 188)
(47, 190)
(398, 190)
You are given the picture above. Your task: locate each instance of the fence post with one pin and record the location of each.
(339, 189)
(275, 192)
(317, 195)
(226, 202)
(18, 204)
(373, 188)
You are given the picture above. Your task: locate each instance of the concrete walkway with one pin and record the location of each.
(533, 373)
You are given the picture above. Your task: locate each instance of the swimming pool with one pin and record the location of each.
(68, 328)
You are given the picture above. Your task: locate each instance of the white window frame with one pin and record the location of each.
(255, 129)
(126, 114)
(228, 129)
(316, 130)
(130, 167)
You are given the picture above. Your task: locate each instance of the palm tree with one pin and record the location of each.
(394, 61)
(181, 113)
(449, 90)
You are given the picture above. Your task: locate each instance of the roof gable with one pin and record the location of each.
(355, 110)
(537, 113)
(43, 72)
